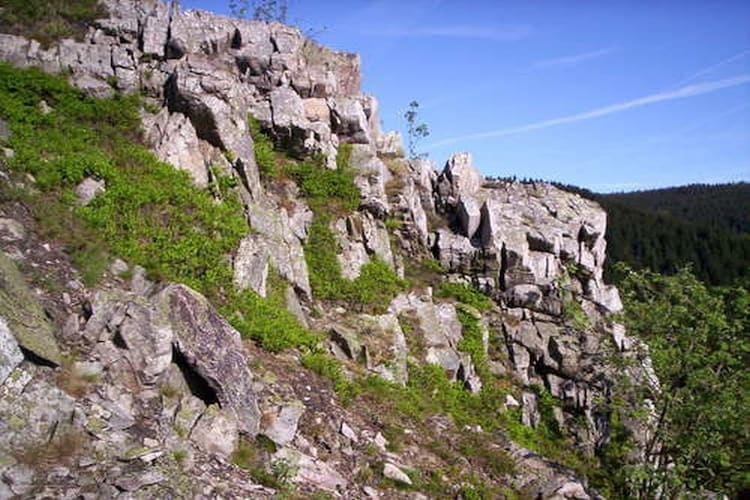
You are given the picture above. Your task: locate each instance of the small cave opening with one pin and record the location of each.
(199, 386)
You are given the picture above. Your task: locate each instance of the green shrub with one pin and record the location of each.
(265, 156)
(472, 342)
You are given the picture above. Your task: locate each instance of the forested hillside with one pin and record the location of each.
(704, 226)
(722, 206)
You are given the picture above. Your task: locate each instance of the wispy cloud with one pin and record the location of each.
(681, 93)
(503, 33)
(571, 60)
(713, 67)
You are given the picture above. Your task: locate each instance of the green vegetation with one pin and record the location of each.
(472, 342)
(48, 21)
(150, 214)
(465, 294)
(265, 156)
(252, 456)
(271, 325)
(699, 345)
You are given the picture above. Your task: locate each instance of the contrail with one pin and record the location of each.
(713, 67)
(681, 93)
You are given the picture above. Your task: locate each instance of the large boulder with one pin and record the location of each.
(213, 350)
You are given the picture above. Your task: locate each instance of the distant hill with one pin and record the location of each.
(706, 226)
(723, 206)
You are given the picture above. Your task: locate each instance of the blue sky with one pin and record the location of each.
(608, 95)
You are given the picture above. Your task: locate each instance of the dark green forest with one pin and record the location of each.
(704, 226)
(723, 206)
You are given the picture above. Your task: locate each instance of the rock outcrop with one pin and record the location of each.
(151, 380)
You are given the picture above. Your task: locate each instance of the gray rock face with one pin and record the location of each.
(216, 431)
(371, 179)
(213, 349)
(440, 332)
(280, 419)
(10, 354)
(361, 236)
(312, 471)
(175, 140)
(30, 411)
(283, 247)
(145, 334)
(11, 230)
(251, 264)
(459, 180)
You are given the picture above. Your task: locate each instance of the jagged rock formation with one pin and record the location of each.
(164, 387)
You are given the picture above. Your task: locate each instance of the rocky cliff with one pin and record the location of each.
(135, 387)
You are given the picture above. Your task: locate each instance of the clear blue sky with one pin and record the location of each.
(615, 95)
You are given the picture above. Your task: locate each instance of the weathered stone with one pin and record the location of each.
(11, 230)
(454, 251)
(175, 141)
(348, 432)
(155, 31)
(283, 247)
(316, 110)
(24, 315)
(31, 411)
(216, 431)
(148, 338)
(10, 354)
(468, 216)
(134, 482)
(213, 349)
(394, 473)
(288, 109)
(459, 180)
(386, 346)
(311, 471)
(251, 264)
(390, 144)
(530, 413)
(279, 421)
(349, 120)
(371, 179)
(439, 328)
(4, 131)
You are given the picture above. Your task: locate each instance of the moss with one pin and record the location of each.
(24, 314)
(16, 423)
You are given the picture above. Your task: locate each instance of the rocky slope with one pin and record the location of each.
(134, 388)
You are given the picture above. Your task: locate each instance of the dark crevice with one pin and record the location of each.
(118, 341)
(35, 359)
(199, 386)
